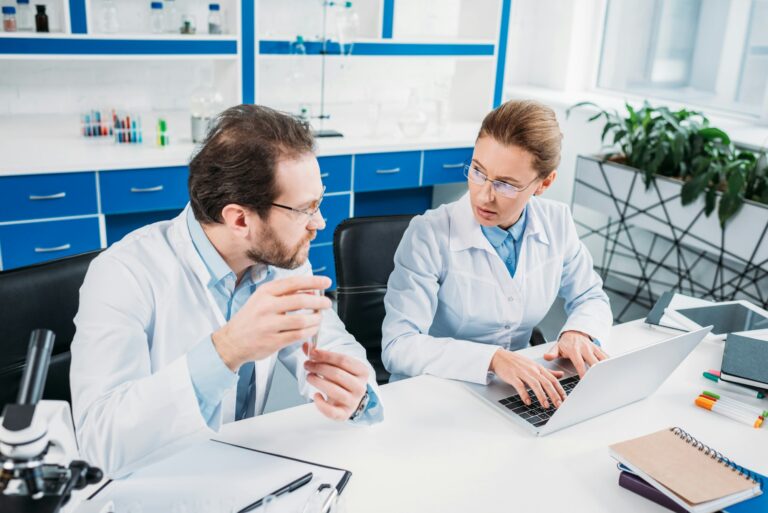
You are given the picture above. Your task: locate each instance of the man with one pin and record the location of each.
(181, 322)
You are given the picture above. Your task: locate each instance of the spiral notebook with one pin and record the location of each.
(693, 475)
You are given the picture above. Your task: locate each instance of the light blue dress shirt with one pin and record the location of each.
(452, 301)
(211, 378)
(507, 242)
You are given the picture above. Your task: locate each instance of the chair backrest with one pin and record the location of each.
(46, 296)
(364, 250)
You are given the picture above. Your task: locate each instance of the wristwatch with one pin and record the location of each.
(361, 407)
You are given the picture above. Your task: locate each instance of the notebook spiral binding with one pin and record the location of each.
(708, 451)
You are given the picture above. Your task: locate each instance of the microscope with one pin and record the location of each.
(29, 481)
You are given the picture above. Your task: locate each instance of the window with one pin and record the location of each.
(708, 53)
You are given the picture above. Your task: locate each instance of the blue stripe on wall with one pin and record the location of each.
(315, 47)
(61, 46)
(388, 19)
(249, 52)
(501, 57)
(77, 18)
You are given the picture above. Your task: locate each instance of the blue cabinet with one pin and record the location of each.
(143, 190)
(31, 243)
(375, 183)
(336, 173)
(321, 259)
(382, 171)
(47, 196)
(334, 210)
(445, 166)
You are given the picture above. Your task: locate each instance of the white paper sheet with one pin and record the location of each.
(214, 477)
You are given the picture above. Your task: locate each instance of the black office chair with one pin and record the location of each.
(364, 250)
(40, 296)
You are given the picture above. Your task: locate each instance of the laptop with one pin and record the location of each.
(607, 385)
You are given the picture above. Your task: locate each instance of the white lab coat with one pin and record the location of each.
(144, 304)
(451, 302)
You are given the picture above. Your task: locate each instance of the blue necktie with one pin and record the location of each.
(511, 260)
(246, 392)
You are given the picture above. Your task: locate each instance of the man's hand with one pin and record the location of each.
(262, 327)
(520, 371)
(579, 349)
(342, 378)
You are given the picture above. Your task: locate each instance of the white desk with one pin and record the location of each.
(441, 449)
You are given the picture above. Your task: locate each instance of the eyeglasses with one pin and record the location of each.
(308, 212)
(503, 188)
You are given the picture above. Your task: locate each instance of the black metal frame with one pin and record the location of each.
(743, 280)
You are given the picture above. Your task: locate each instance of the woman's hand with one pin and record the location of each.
(519, 371)
(579, 349)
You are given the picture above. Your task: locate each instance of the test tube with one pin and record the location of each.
(313, 339)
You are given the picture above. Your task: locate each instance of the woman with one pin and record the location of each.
(474, 277)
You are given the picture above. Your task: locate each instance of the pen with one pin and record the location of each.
(736, 389)
(290, 487)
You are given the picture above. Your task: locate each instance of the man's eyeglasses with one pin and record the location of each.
(503, 188)
(308, 212)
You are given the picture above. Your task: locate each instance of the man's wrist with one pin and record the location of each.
(361, 406)
(222, 345)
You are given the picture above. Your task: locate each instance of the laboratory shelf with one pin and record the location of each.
(117, 45)
(382, 48)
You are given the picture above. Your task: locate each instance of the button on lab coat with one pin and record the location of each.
(144, 304)
(451, 303)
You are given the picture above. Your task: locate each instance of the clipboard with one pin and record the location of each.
(216, 474)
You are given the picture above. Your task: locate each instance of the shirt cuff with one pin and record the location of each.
(373, 413)
(211, 378)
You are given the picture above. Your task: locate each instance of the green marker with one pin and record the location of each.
(731, 387)
(736, 404)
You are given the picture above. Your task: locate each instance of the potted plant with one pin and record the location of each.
(666, 172)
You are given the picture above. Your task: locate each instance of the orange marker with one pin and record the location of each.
(708, 404)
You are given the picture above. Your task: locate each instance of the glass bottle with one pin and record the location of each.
(9, 19)
(215, 19)
(347, 27)
(413, 120)
(25, 19)
(108, 22)
(298, 60)
(41, 19)
(172, 18)
(156, 18)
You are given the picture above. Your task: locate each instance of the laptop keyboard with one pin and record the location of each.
(536, 414)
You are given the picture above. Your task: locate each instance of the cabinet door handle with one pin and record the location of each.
(58, 195)
(320, 269)
(324, 175)
(388, 171)
(157, 188)
(63, 247)
(453, 166)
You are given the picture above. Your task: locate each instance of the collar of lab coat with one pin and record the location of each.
(465, 231)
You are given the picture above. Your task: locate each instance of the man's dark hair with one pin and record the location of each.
(237, 161)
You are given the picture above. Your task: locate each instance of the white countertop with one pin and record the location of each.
(442, 449)
(51, 144)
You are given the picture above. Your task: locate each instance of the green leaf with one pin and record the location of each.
(729, 206)
(693, 188)
(709, 201)
(736, 181)
(606, 129)
(582, 104)
(712, 133)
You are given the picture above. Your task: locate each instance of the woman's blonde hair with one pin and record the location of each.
(529, 125)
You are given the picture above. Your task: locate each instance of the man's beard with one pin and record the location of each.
(272, 251)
